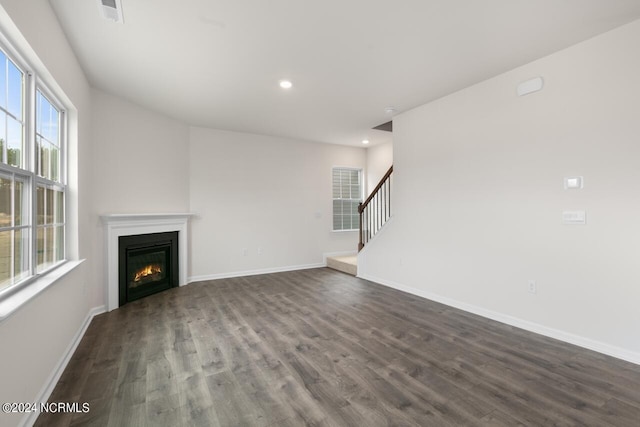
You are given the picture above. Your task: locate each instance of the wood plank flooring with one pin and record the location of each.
(322, 348)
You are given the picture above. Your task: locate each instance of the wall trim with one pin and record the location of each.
(580, 341)
(30, 418)
(255, 272)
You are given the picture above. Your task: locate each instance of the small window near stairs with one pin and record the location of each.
(347, 194)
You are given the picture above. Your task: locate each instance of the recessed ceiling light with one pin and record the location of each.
(285, 84)
(390, 110)
(365, 141)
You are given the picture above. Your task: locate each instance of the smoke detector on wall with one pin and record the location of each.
(111, 10)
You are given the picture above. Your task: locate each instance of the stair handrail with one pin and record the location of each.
(375, 190)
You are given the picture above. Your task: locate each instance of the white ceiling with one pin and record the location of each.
(217, 63)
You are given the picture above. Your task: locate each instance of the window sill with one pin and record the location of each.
(345, 231)
(12, 302)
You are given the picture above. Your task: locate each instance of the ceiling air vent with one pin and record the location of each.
(111, 9)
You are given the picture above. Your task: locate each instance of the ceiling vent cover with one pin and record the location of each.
(111, 10)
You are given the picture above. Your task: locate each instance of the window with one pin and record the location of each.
(347, 195)
(32, 178)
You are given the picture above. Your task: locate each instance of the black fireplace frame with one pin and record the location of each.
(140, 242)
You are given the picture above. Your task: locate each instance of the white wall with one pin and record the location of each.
(259, 192)
(379, 160)
(35, 338)
(479, 196)
(141, 158)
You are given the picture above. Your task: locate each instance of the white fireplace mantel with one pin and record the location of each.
(117, 225)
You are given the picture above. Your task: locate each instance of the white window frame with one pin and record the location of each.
(360, 198)
(28, 173)
(47, 183)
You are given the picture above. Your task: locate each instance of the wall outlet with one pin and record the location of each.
(532, 287)
(245, 252)
(259, 251)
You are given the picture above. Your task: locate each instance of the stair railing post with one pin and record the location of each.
(360, 244)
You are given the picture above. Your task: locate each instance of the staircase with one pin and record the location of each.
(346, 264)
(374, 212)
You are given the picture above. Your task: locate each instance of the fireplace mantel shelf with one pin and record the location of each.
(144, 216)
(117, 225)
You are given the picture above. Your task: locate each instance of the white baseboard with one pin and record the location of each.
(255, 272)
(600, 347)
(30, 418)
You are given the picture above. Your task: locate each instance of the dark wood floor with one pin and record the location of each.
(321, 348)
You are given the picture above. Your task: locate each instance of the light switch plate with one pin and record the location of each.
(530, 86)
(574, 217)
(573, 182)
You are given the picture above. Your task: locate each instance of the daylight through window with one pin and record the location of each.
(347, 194)
(32, 179)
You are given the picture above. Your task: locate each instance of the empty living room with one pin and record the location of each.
(294, 213)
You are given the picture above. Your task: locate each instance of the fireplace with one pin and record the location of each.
(147, 264)
(123, 224)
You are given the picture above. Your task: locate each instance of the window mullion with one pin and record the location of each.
(5, 149)
(62, 160)
(30, 115)
(5, 146)
(12, 257)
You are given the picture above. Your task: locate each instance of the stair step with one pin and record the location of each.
(346, 264)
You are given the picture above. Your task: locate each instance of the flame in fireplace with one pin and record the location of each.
(147, 271)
